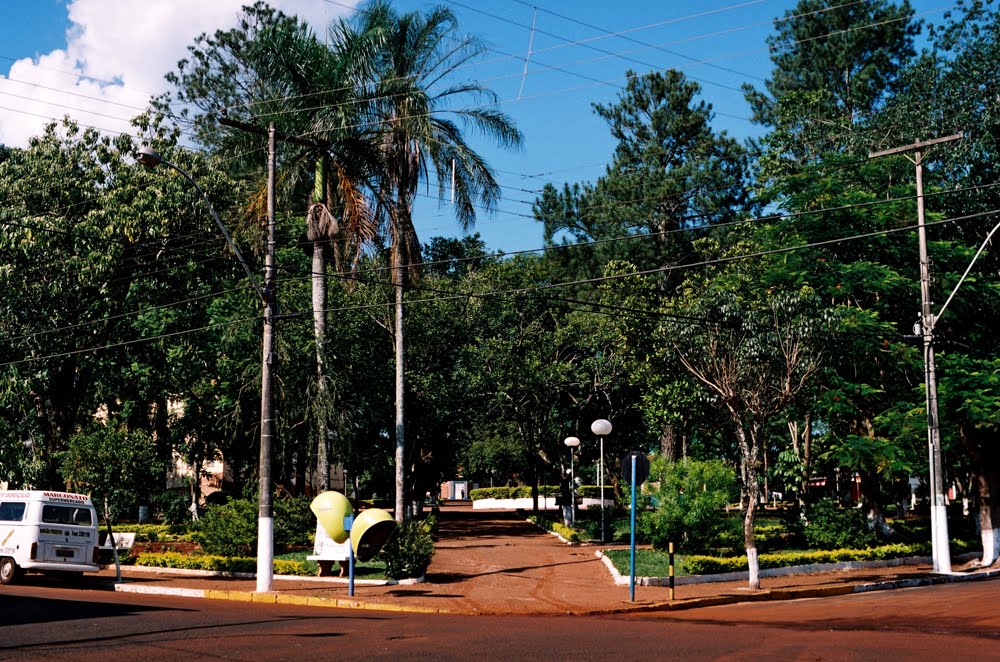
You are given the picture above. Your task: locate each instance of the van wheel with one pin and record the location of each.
(9, 571)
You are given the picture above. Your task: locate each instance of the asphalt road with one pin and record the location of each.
(45, 621)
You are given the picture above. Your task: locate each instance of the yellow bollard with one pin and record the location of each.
(671, 570)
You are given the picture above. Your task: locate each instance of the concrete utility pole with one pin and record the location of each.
(265, 511)
(265, 514)
(939, 514)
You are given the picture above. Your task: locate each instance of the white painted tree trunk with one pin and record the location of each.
(991, 545)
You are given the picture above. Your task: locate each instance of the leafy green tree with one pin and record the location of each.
(754, 356)
(691, 498)
(671, 177)
(833, 67)
(118, 467)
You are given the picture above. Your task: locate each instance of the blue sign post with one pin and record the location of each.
(348, 522)
(635, 468)
(631, 562)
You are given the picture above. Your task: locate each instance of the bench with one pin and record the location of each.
(326, 550)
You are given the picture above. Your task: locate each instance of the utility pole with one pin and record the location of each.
(265, 512)
(265, 515)
(939, 514)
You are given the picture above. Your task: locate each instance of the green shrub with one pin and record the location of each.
(157, 532)
(229, 529)
(706, 565)
(569, 534)
(294, 522)
(221, 563)
(430, 523)
(408, 551)
(490, 493)
(174, 506)
(828, 527)
(691, 500)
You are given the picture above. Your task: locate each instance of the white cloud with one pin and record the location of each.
(116, 55)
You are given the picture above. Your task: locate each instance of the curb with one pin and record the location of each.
(281, 599)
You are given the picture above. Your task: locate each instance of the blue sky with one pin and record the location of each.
(580, 51)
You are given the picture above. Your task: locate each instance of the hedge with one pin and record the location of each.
(524, 492)
(220, 563)
(570, 535)
(154, 532)
(710, 565)
(517, 492)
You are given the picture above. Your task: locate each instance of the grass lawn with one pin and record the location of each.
(648, 562)
(368, 570)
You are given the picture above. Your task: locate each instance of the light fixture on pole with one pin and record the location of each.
(601, 427)
(265, 520)
(572, 443)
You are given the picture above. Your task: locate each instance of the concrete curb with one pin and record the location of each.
(281, 599)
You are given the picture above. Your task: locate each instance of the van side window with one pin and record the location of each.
(11, 512)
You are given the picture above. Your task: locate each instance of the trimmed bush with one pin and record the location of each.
(571, 535)
(490, 493)
(829, 527)
(221, 563)
(408, 551)
(710, 565)
(690, 505)
(229, 529)
(294, 522)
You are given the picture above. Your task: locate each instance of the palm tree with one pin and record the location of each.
(324, 93)
(420, 142)
(273, 67)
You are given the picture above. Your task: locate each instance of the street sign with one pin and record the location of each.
(641, 467)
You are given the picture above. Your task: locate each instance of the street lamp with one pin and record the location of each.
(601, 427)
(265, 519)
(572, 443)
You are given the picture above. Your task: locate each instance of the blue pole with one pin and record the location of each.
(348, 523)
(631, 565)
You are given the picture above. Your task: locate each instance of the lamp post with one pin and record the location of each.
(601, 427)
(265, 518)
(572, 443)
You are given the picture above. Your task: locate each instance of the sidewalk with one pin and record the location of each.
(496, 563)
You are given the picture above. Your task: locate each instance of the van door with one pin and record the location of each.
(66, 534)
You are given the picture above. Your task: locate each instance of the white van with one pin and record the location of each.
(43, 531)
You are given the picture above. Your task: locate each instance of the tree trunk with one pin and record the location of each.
(749, 454)
(399, 279)
(978, 445)
(871, 498)
(668, 443)
(319, 332)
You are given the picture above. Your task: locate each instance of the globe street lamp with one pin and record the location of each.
(265, 520)
(601, 427)
(572, 443)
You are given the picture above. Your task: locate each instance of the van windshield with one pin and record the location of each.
(66, 515)
(11, 512)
